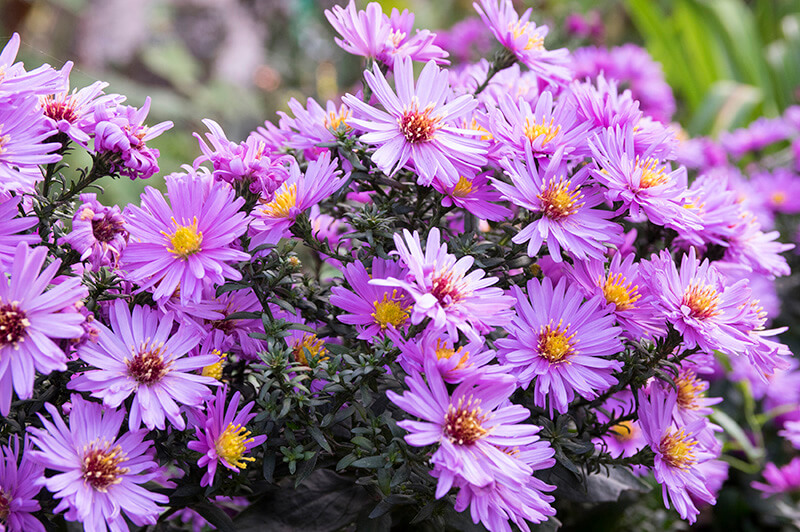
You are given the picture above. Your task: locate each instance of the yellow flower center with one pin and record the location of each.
(534, 130)
(624, 431)
(778, 197)
(701, 300)
(652, 173)
(557, 200)
(282, 204)
(185, 240)
(335, 120)
(556, 345)
(389, 311)
(231, 446)
(677, 449)
(463, 188)
(463, 423)
(100, 466)
(215, 370)
(534, 41)
(442, 351)
(690, 389)
(618, 292)
(312, 345)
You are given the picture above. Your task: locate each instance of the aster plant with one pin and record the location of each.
(504, 289)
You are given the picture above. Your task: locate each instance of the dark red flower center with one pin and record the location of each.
(5, 505)
(418, 126)
(446, 289)
(101, 466)
(148, 366)
(60, 108)
(12, 324)
(106, 228)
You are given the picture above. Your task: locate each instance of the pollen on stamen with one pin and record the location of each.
(418, 126)
(309, 346)
(232, 444)
(463, 188)
(534, 130)
(463, 423)
(690, 390)
(701, 301)
(620, 293)
(555, 344)
(652, 173)
(390, 311)
(557, 202)
(185, 240)
(677, 449)
(282, 204)
(444, 352)
(447, 288)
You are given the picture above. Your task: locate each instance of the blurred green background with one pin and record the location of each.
(239, 61)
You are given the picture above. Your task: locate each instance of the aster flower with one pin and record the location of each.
(545, 127)
(233, 335)
(476, 196)
(15, 81)
(780, 190)
(602, 106)
(98, 232)
(121, 131)
(296, 195)
(645, 186)
(759, 134)
(100, 474)
(677, 451)
(465, 39)
(313, 125)
(625, 438)
(74, 113)
(416, 129)
(444, 289)
(188, 244)
(782, 479)
(759, 251)
(11, 225)
(374, 310)
(30, 318)
(471, 428)
(569, 219)
(523, 38)
(20, 482)
(23, 130)
(222, 438)
(141, 356)
(561, 342)
(454, 364)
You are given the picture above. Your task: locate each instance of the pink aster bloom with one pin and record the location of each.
(568, 219)
(626, 437)
(677, 452)
(188, 244)
(98, 233)
(100, 474)
(222, 438)
(20, 483)
(560, 341)
(759, 251)
(296, 195)
(476, 196)
(31, 317)
(11, 227)
(522, 37)
(454, 363)
(602, 106)
(233, 335)
(15, 81)
(314, 125)
(73, 113)
(471, 428)
(646, 187)
(417, 128)
(782, 479)
(23, 130)
(374, 310)
(141, 356)
(444, 289)
(121, 131)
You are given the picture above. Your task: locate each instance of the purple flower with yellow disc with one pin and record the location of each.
(476, 196)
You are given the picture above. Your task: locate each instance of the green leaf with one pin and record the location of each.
(370, 462)
(733, 430)
(319, 438)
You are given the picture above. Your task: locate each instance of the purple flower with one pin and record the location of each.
(20, 482)
(445, 290)
(466, 37)
(760, 134)
(16, 82)
(100, 473)
(296, 195)
(454, 364)
(782, 479)
(476, 196)
(30, 318)
(374, 310)
(314, 125)
(141, 355)
(222, 438)
(603, 106)
(121, 131)
(74, 113)
(677, 451)
(23, 129)
(758, 251)
(98, 233)
(416, 129)
(188, 244)
(11, 224)
(561, 342)
(625, 438)
(569, 219)
(233, 335)
(520, 35)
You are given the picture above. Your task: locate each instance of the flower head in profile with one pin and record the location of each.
(99, 473)
(300, 192)
(375, 310)
(677, 451)
(120, 131)
(141, 356)
(523, 38)
(561, 342)
(98, 232)
(444, 289)
(20, 482)
(455, 363)
(417, 127)
(31, 318)
(569, 220)
(313, 125)
(222, 438)
(188, 244)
